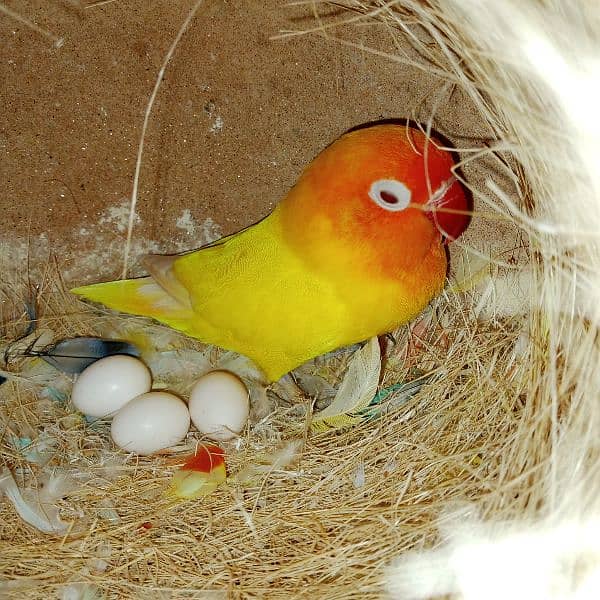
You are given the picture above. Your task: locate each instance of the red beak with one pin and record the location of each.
(449, 209)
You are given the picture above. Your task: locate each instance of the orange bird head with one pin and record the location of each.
(384, 186)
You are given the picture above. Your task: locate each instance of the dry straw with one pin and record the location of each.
(485, 484)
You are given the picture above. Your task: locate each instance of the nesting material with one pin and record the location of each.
(295, 504)
(478, 486)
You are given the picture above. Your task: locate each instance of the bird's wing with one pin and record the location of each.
(161, 296)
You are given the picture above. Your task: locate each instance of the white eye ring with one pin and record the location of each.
(390, 194)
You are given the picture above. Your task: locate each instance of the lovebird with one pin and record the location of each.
(355, 249)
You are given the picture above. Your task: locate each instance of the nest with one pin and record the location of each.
(502, 439)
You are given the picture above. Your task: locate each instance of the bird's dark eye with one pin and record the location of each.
(388, 197)
(390, 194)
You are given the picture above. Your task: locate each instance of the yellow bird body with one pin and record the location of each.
(312, 276)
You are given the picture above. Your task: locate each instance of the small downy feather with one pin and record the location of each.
(356, 391)
(315, 386)
(73, 355)
(287, 454)
(43, 514)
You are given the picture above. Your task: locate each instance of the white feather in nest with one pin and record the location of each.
(356, 391)
(286, 455)
(40, 507)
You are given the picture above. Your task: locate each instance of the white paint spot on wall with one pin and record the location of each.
(186, 222)
(100, 261)
(104, 246)
(217, 125)
(202, 233)
(209, 231)
(117, 216)
(216, 120)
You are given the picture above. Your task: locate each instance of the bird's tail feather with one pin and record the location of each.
(142, 297)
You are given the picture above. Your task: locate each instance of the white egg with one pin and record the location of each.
(150, 422)
(109, 383)
(219, 405)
